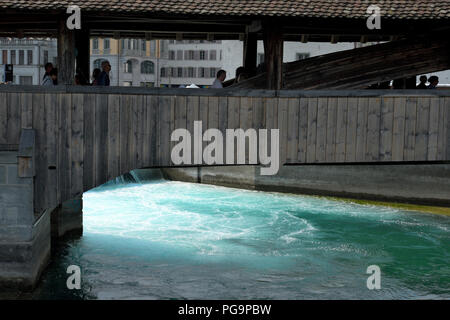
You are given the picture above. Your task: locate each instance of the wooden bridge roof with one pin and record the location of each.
(393, 9)
(315, 20)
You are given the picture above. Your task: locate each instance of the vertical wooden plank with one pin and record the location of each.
(192, 110)
(133, 132)
(398, 130)
(234, 107)
(223, 121)
(422, 123)
(213, 116)
(53, 149)
(101, 139)
(203, 117)
(442, 134)
(77, 145)
(165, 103)
(361, 129)
(3, 117)
(312, 130)
(292, 130)
(14, 118)
(447, 127)
(271, 120)
(64, 146)
(303, 130)
(27, 110)
(259, 116)
(113, 136)
(331, 129)
(246, 121)
(321, 138)
(41, 157)
(352, 121)
(283, 127)
(152, 119)
(386, 128)
(433, 129)
(139, 131)
(410, 128)
(341, 129)
(373, 129)
(89, 139)
(180, 116)
(124, 125)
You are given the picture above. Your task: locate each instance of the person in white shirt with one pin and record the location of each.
(221, 76)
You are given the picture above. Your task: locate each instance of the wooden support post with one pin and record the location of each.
(82, 44)
(273, 56)
(250, 53)
(66, 54)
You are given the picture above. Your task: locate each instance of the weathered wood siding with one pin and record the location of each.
(86, 139)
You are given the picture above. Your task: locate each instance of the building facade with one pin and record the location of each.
(28, 56)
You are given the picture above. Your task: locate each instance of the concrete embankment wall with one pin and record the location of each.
(411, 183)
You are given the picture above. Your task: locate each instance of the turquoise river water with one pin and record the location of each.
(174, 240)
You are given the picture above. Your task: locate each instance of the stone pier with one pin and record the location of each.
(24, 238)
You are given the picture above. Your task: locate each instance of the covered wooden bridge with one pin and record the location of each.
(56, 143)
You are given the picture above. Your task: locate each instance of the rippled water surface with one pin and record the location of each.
(174, 240)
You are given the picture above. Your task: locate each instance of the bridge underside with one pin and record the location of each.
(361, 67)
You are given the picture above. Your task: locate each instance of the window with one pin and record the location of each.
(13, 56)
(260, 58)
(128, 83)
(5, 57)
(190, 72)
(106, 44)
(30, 57)
(180, 72)
(180, 55)
(26, 80)
(163, 72)
(171, 55)
(212, 72)
(173, 72)
(203, 55)
(21, 57)
(128, 67)
(302, 55)
(147, 67)
(144, 46)
(213, 55)
(191, 55)
(95, 44)
(147, 84)
(201, 72)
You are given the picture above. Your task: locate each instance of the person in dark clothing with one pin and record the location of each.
(433, 80)
(95, 75)
(423, 82)
(103, 78)
(48, 67)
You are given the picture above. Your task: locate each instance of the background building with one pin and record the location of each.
(28, 57)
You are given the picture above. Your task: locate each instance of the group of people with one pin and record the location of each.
(433, 80)
(241, 75)
(99, 77)
(51, 75)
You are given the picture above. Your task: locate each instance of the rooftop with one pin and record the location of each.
(393, 9)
